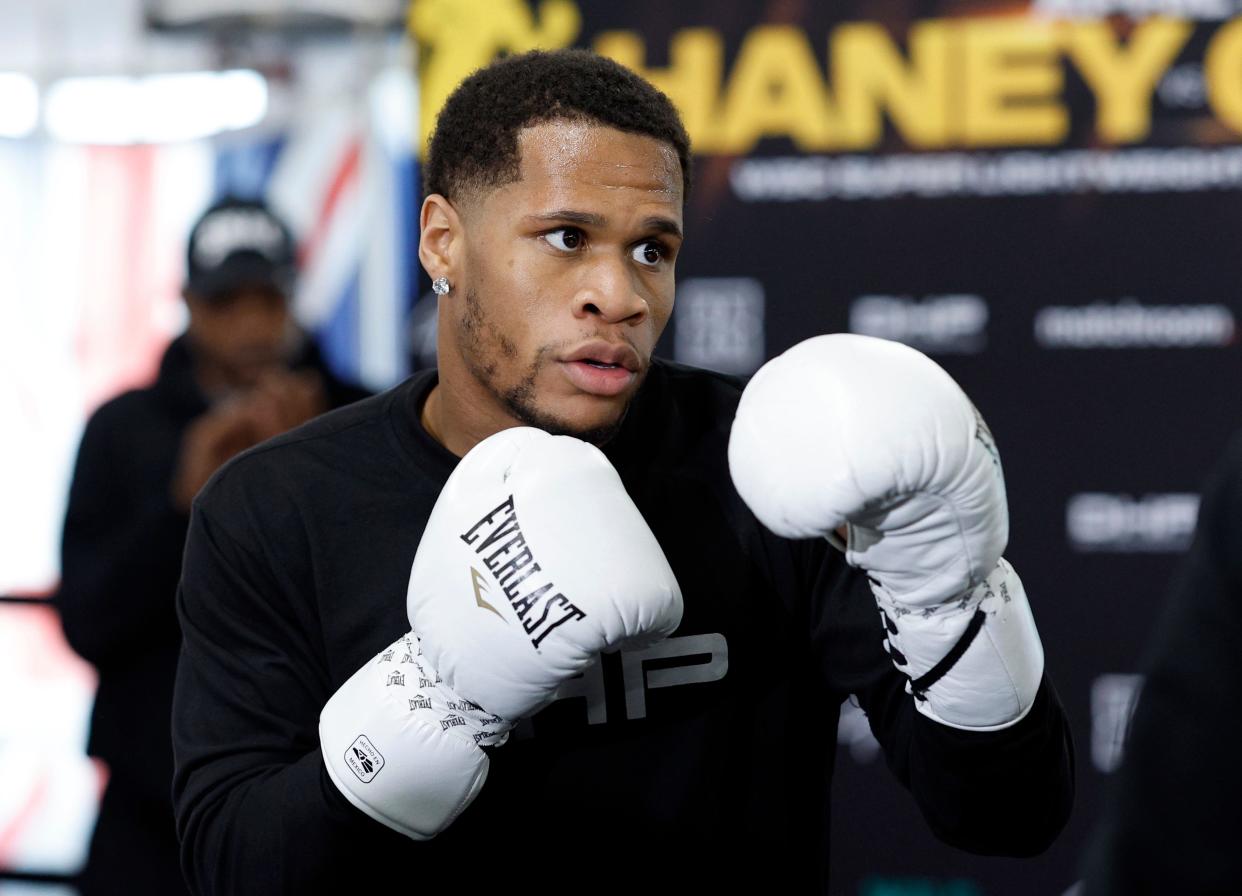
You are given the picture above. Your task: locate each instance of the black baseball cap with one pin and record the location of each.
(239, 244)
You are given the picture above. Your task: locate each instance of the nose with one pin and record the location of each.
(609, 292)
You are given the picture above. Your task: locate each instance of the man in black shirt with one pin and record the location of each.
(240, 374)
(556, 183)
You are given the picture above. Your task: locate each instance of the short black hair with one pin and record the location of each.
(475, 143)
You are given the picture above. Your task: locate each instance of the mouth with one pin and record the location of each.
(602, 368)
(600, 365)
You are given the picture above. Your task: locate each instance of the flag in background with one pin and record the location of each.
(91, 242)
(92, 249)
(347, 182)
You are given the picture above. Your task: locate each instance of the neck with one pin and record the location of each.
(459, 412)
(458, 423)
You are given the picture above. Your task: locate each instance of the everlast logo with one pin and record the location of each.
(498, 539)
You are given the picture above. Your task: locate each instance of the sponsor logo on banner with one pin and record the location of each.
(935, 324)
(1113, 698)
(719, 324)
(1156, 523)
(1130, 324)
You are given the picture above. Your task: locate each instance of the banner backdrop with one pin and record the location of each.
(1046, 198)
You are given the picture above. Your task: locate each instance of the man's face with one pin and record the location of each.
(244, 335)
(568, 277)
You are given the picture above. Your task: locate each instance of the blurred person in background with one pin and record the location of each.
(242, 372)
(1172, 823)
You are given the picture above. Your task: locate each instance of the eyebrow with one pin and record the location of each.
(656, 223)
(662, 225)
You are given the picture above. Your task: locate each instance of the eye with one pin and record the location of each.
(649, 254)
(567, 239)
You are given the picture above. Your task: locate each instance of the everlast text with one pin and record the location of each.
(498, 539)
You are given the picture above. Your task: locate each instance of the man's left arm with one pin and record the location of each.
(871, 445)
(1004, 792)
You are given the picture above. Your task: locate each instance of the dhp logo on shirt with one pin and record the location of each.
(709, 661)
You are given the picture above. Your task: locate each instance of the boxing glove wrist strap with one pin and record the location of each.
(919, 686)
(974, 663)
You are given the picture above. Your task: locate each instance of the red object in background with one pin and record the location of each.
(121, 335)
(11, 828)
(51, 790)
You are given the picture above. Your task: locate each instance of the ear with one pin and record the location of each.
(441, 239)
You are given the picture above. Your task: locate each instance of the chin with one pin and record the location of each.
(596, 423)
(596, 429)
(598, 435)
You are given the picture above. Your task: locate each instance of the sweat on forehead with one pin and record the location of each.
(475, 145)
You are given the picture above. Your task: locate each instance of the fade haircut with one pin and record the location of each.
(475, 143)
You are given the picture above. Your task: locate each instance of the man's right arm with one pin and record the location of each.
(256, 811)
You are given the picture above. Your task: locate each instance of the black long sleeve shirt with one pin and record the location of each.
(707, 759)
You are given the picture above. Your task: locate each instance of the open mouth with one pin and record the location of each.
(597, 377)
(603, 367)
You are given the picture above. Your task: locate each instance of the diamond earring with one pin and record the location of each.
(440, 286)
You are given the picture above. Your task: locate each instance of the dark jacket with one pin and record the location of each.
(1171, 824)
(120, 560)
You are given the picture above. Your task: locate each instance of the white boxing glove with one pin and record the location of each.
(534, 560)
(852, 431)
(550, 563)
(402, 747)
